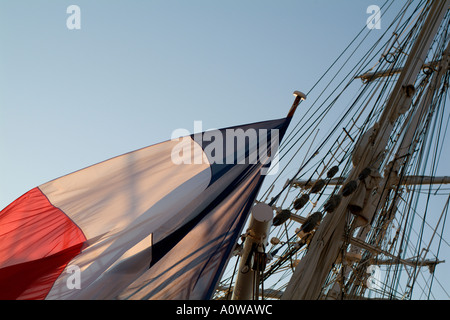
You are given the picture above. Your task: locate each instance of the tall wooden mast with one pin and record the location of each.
(310, 274)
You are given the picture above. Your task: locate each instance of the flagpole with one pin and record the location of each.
(299, 96)
(256, 239)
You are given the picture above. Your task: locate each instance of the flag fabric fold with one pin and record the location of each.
(137, 226)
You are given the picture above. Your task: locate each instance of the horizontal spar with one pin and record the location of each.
(408, 180)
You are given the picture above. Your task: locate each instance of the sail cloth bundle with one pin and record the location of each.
(363, 202)
(136, 226)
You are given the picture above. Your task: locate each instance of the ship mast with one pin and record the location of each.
(325, 247)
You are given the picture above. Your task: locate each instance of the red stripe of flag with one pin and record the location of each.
(37, 241)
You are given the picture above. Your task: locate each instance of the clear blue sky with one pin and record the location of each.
(138, 70)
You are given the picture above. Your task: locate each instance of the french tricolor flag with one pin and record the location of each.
(137, 226)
